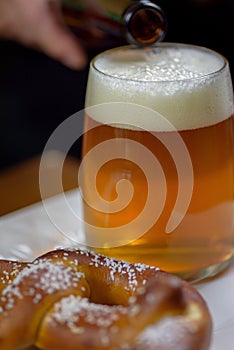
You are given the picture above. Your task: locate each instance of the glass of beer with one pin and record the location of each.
(158, 158)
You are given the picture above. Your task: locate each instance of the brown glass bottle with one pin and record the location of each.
(100, 22)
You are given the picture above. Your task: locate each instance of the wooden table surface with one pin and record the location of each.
(19, 184)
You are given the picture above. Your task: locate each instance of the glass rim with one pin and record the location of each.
(223, 66)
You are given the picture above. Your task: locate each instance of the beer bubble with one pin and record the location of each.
(144, 159)
(73, 227)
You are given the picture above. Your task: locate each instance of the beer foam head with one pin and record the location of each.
(188, 86)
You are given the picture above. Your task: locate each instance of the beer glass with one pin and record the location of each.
(158, 158)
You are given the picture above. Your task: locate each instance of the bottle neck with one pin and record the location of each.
(140, 22)
(111, 9)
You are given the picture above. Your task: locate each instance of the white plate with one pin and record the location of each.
(29, 232)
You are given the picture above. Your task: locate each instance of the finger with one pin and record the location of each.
(58, 42)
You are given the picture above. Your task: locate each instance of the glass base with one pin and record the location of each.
(208, 272)
(192, 265)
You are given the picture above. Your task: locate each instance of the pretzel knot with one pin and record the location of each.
(76, 299)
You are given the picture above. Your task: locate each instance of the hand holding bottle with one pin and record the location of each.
(39, 24)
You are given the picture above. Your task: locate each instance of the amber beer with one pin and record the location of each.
(191, 88)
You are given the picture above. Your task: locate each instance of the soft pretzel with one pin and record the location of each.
(76, 299)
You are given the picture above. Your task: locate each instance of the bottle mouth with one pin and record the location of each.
(144, 23)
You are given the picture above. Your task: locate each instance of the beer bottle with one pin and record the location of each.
(96, 22)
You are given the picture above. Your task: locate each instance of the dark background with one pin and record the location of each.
(37, 93)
